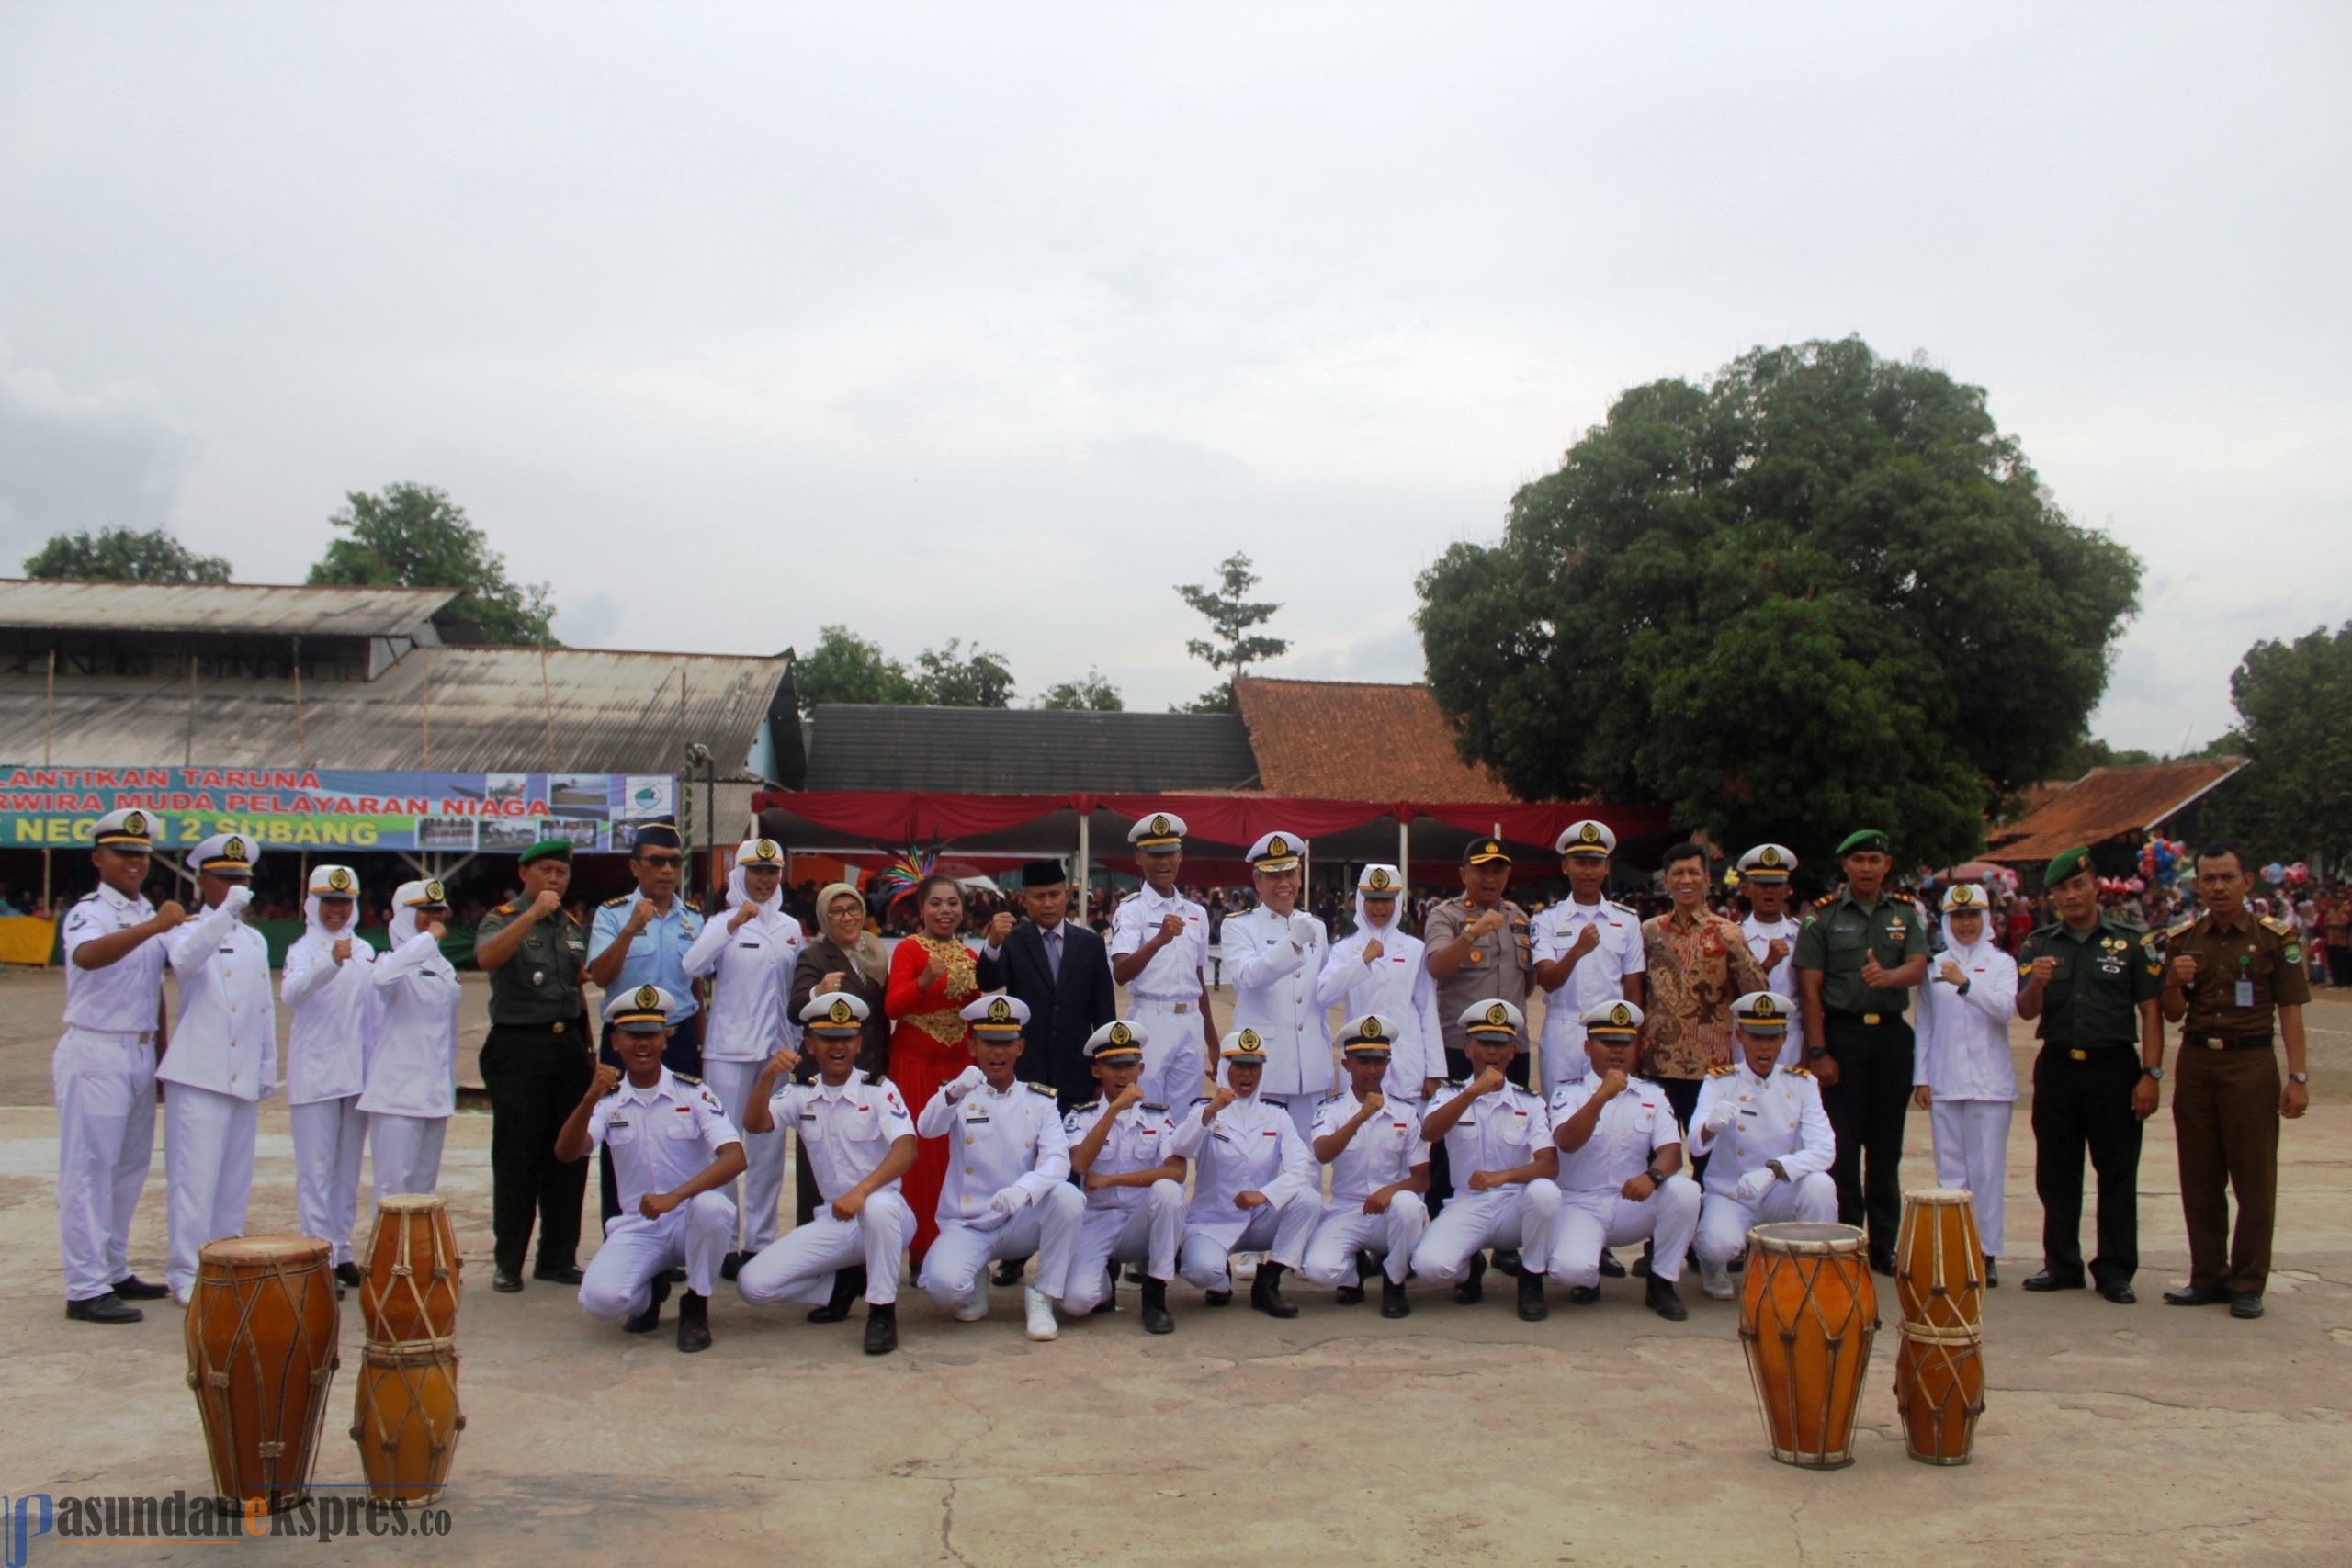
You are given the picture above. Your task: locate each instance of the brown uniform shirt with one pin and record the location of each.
(2264, 956)
(1497, 969)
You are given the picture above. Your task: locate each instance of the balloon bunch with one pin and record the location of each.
(2294, 875)
(2162, 860)
(903, 876)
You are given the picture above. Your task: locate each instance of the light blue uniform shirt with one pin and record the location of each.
(657, 956)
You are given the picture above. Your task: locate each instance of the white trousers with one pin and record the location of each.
(1972, 1151)
(1521, 1216)
(800, 1266)
(104, 1086)
(329, 1136)
(1345, 1230)
(1147, 1233)
(762, 1183)
(1562, 1060)
(1280, 1230)
(207, 1171)
(1047, 1229)
(1174, 1051)
(1723, 1220)
(1590, 1220)
(619, 1282)
(407, 1152)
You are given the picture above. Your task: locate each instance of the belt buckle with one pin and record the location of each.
(2080, 1056)
(146, 1037)
(1870, 1017)
(2214, 1043)
(559, 1026)
(1183, 1006)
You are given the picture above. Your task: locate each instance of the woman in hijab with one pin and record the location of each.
(412, 1078)
(933, 976)
(841, 955)
(1377, 968)
(1962, 1066)
(328, 987)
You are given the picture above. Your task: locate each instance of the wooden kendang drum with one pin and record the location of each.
(1939, 1392)
(1808, 1313)
(407, 1422)
(408, 1291)
(262, 1331)
(1939, 1363)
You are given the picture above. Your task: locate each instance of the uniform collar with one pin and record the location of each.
(665, 1087)
(1747, 1073)
(830, 1092)
(114, 899)
(2245, 918)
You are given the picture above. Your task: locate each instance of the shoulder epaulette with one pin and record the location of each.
(1453, 1083)
(2186, 925)
(1198, 1099)
(1724, 1071)
(1798, 1072)
(1048, 1090)
(503, 909)
(2276, 926)
(1335, 1094)
(1824, 901)
(617, 902)
(1090, 1105)
(688, 1078)
(877, 1078)
(1149, 1106)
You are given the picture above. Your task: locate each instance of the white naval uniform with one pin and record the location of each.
(221, 1063)
(1598, 978)
(1384, 1152)
(1594, 1211)
(1000, 1142)
(1275, 982)
(1165, 999)
(745, 1024)
(1123, 1224)
(412, 1078)
(848, 1129)
(1776, 1118)
(103, 1075)
(1399, 988)
(334, 1012)
(1249, 1147)
(1501, 1131)
(658, 1138)
(1963, 1057)
(1780, 978)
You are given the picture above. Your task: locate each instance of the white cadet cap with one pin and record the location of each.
(1161, 830)
(1768, 862)
(1277, 851)
(427, 894)
(837, 1012)
(1491, 1020)
(224, 855)
(1243, 1048)
(1380, 881)
(334, 881)
(1763, 1012)
(1612, 1021)
(1586, 838)
(645, 1010)
(760, 852)
(1965, 895)
(129, 830)
(996, 1018)
(1115, 1041)
(1370, 1035)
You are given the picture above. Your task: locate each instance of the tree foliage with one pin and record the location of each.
(847, 668)
(120, 555)
(2293, 800)
(1230, 614)
(416, 536)
(950, 678)
(1821, 591)
(1093, 693)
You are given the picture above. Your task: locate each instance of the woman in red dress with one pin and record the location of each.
(933, 976)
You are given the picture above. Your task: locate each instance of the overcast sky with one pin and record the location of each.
(996, 321)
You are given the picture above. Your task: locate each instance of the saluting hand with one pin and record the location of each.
(1612, 1083)
(830, 984)
(1372, 951)
(1587, 940)
(437, 930)
(167, 915)
(784, 1061)
(1485, 925)
(999, 928)
(1128, 1099)
(1170, 926)
(745, 913)
(341, 951)
(1372, 1104)
(2040, 970)
(1488, 1080)
(1220, 1100)
(607, 1079)
(641, 915)
(547, 902)
(932, 972)
(1774, 951)
(2184, 969)
(1952, 974)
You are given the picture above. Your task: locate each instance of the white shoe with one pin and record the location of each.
(976, 1305)
(1245, 1267)
(1715, 1284)
(1042, 1325)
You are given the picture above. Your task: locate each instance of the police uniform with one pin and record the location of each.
(413, 1079)
(751, 969)
(536, 1063)
(1498, 968)
(333, 1007)
(1165, 1000)
(1864, 1030)
(1773, 863)
(1598, 977)
(1497, 1132)
(1381, 1153)
(1248, 1146)
(222, 1065)
(103, 1075)
(1768, 1143)
(1963, 1061)
(1123, 1224)
(1274, 963)
(1008, 1193)
(1396, 986)
(660, 1137)
(1594, 1211)
(657, 954)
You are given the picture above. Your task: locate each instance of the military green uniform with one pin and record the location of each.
(2225, 1102)
(1864, 1030)
(2083, 1079)
(536, 1063)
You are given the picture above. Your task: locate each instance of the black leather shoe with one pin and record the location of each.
(506, 1284)
(881, 1327)
(694, 1322)
(2195, 1297)
(1610, 1267)
(649, 1319)
(565, 1274)
(1664, 1300)
(1156, 1318)
(1507, 1261)
(848, 1285)
(1392, 1299)
(1642, 1264)
(2245, 1304)
(1110, 1302)
(732, 1265)
(1266, 1292)
(1882, 1263)
(1583, 1295)
(1214, 1298)
(1531, 1297)
(108, 1308)
(1008, 1273)
(1471, 1289)
(1135, 1276)
(2046, 1280)
(1992, 1274)
(1353, 1295)
(2119, 1292)
(131, 1288)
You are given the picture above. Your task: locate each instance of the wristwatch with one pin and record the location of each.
(1657, 1177)
(1777, 1169)
(2155, 1073)
(2298, 1077)
(1816, 1053)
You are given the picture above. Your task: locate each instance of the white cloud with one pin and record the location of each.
(72, 460)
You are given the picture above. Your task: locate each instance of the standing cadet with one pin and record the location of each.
(412, 1079)
(673, 1176)
(1767, 1140)
(102, 1072)
(1860, 950)
(1476, 948)
(1498, 1140)
(1380, 1176)
(536, 1063)
(1258, 1187)
(2227, 976)
(640, 939)
(1273, 958)
(1620, 1170)
(1771, 934)
(1588, 952)
(1963, 1074)
(329, 988)
(1119, 1146)
(1159, 950)
(224, 1060)
(1377, 969)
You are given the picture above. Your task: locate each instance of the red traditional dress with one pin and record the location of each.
(927, 1048)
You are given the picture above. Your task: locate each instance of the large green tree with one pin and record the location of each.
(1232, 617)
(847, 668)
(1093, 693)
(2294, 798)
(120, 555)
(415, 536)
(951, 677)
(1821, 591)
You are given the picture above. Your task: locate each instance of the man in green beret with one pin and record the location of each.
(536, 1063)
(2092, 984)
(1860, 953)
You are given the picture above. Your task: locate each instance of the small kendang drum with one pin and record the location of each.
(407, 1422)
(1939, 1392)
(1808, 1313)
(1940, 1261)
(408, 1290)
(261, 1331)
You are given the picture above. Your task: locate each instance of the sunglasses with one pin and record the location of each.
(661, 860)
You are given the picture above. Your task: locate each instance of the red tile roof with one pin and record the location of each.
(1357, 740)
(2104, 802)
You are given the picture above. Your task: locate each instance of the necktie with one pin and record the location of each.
(1053, 952)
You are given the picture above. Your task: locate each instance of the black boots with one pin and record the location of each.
(1392, 1299)
(1662, 1299)
(881, 1327)
(1353, 1295)
(1531, 1297)
(649, 1319)
(1155, 1307)
(848, 1285)
(1266, 1292)
(1472, 1287)
(694, 1322)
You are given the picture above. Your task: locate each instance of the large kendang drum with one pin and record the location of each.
(262, 1349)
(1808, 1313)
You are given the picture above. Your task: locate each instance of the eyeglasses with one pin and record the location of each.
(661, 860)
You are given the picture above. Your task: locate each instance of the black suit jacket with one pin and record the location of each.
(1062, 1014)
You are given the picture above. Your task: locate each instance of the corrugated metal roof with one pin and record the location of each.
(1025, 750)
(1357, 740)
(246, 608)
(2104, 802)
(466, 709)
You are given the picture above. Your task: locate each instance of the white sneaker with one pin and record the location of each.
(976, 1305)
(1245, 1267)
(1042, 1325)
(1715, 1284)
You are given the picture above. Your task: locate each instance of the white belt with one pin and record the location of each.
(143, 1036)
(1171, 1003)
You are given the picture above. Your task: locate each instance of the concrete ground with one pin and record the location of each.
(2112, 1434)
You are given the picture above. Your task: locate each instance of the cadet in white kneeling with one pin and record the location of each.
(412, 1078)
(1621, 1155)
(1767, 1141)
(1380, 1175)
(1497, 1141)
(1259, 1187)
(860, 1141)
(674, 1154)
(327, 985)
(1121, 1145)
(223, 1058)
(1007, 1193)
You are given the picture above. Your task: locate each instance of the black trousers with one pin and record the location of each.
(682, 1054)
(1683, 1095)
(1866, 1107)
(2080, 1104)
(535, 1078)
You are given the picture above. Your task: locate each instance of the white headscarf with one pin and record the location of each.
(770, 907)
(405, 922)
(1965, 956)
(1395, 894)
(316, 929)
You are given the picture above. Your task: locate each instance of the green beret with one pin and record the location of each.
(1865, 838)
(547, 849)
(2065, 866)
